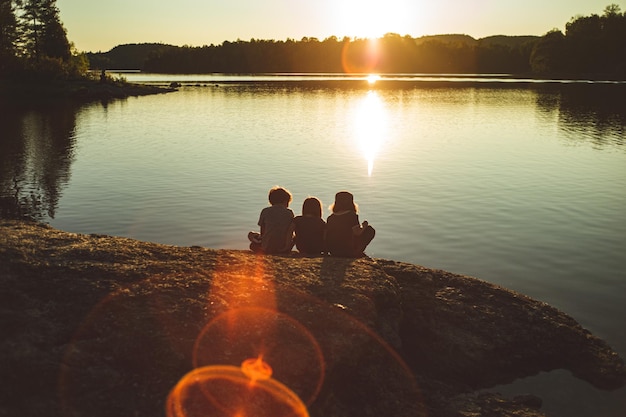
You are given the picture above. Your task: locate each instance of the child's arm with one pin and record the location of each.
(358, 229)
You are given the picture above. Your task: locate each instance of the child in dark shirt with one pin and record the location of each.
(276, 235)
(345, 235)
(310, 228)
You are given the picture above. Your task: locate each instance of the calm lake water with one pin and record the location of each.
(518, 182)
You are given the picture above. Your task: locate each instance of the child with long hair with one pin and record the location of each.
(310, 228)
(345, 235)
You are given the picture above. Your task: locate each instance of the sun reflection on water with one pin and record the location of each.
(372, 78)
(370, 127)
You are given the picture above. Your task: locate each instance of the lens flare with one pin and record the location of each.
(263, 352)
(256, 369)
(360, 56)
(281, 346)
(228, 391)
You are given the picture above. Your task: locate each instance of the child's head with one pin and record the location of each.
(344, 201)
(312, 207)
(279, 195)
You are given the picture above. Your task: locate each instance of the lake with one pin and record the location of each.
(518, 182)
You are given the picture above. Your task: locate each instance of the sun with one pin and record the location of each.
(372, 78)
(373, 18)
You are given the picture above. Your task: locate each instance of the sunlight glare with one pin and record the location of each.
(370, 127)
(373, 18)
(372, 78)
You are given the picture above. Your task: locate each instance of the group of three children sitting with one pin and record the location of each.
(341, 235)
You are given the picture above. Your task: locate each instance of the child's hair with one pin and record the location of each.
(279, 195)
(344, 201)
(312, 207)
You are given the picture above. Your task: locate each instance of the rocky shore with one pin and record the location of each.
(79, 90)
(97, 325)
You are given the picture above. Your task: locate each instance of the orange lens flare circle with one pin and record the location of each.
(255, 369)
(360, 56)
(285, 348)
(226, 391)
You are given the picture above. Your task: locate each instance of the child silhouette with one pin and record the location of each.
(275, 225)
(345, 235)
(310, 228)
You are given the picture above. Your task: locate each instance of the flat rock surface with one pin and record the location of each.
(104, 326)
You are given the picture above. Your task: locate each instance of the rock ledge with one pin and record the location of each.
(104, 326)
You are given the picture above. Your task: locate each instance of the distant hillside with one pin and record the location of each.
(449, 38)
(500, 40)
(125, 57)
(510, 41)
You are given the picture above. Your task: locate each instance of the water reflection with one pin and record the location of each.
(36, 152)
(37, 142)
(593, 113)
(370, 127)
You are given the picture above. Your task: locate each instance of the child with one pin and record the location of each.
(276, 235)
(345, 236)
(310, 228)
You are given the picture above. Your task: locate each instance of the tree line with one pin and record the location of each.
(391, 53)
(591, 47)
(34, 43)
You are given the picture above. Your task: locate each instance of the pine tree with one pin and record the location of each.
(8, 34)
(54, 42)
(44, 34)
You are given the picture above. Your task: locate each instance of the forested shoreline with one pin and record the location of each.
(592, 47)
(390, 54)
(37, 60)
(34, 47)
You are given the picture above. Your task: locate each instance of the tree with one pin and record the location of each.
(44, 34)
(31, 26)
(612, 10)
(592, 47)
(54, 42)
(34, 44)
(597, 44)
(8, 33)
(548, 55)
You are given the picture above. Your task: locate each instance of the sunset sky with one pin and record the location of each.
(99, 25)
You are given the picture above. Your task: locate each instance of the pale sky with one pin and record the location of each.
(99, 25)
